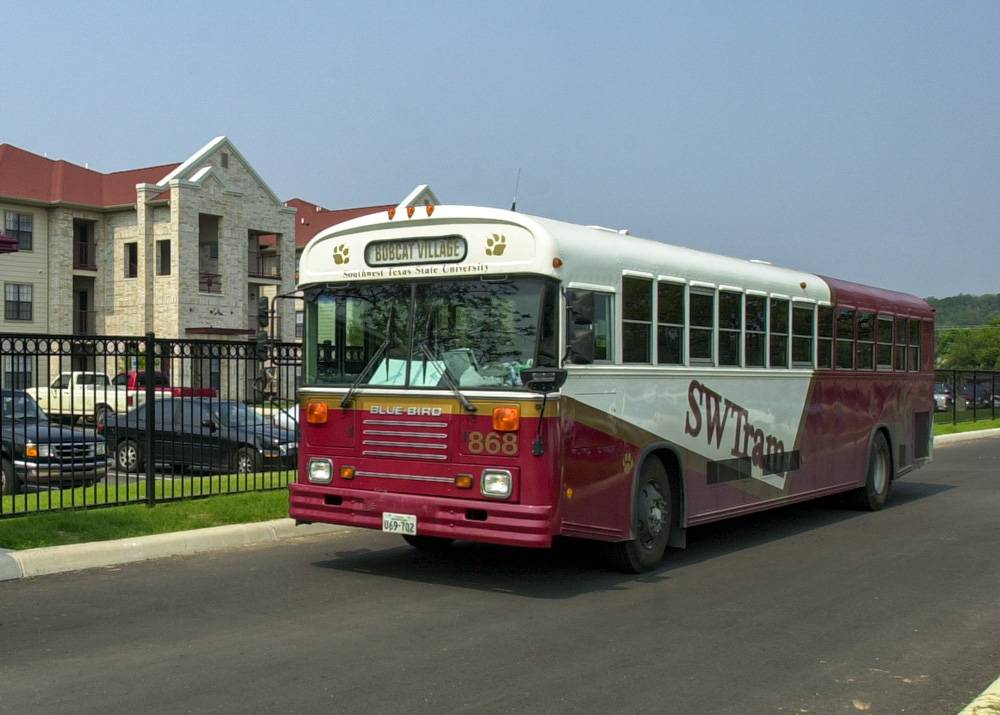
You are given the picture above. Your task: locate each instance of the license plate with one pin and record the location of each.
(399, 523)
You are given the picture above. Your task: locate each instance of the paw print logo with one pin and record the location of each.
(496, 245)
(628, 461)
(341, 255)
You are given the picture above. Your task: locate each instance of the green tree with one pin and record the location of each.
(973, 348)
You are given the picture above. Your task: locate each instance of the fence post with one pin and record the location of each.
(150, 377)
(954, 397)
(993, 395)
(975, 394)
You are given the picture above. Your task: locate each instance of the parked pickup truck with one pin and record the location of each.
(135, 381)
(84, 394)
(35, 453)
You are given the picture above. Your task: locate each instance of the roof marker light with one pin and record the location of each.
(557, 262)
(409, 211)
(392, 213)
(430, 209)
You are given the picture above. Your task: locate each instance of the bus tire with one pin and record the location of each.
(878, 480)
(428, 543)
(652, 517)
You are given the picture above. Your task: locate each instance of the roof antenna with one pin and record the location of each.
(517, 182)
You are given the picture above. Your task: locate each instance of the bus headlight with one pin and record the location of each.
(320, 471)
(497, 483)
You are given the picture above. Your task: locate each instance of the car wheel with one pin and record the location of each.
(128, 457)
(651, 521)
(428, 543)
(878, 480)
(8, 480)
(247, 460)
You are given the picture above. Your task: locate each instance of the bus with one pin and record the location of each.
(480, 374)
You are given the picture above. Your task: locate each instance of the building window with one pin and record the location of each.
(730, 322)
(17, 301)
(899, 358)
(670, 324)
(225, 160)
(17, 372)
(215, 373)
(637, 319)
(163, 257)
(824, 329)
(755, 318)
(845, 339)
(802, 335)
(701, 318)
(884, 349)
(914, 362)
(866, 341)
(779, 332)
(131, 260)
(21, 227)
(300, 324)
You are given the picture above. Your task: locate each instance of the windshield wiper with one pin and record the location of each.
(430, 357)
(390, 334)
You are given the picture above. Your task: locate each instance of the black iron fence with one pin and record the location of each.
(103, 421)
(966, 395)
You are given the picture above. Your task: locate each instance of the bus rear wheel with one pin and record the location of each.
(878, 482)
(428, 543)
(652, 518)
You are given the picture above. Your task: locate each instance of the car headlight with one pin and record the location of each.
(45, 450)
(320, 471)
(100, 449)
(497, 483)
(287, 448)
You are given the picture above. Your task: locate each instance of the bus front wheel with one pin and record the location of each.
(878, 481)
(651, 521)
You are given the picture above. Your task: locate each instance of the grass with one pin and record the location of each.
(73, 527)
(948, 428)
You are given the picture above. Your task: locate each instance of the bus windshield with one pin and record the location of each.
(481, 332)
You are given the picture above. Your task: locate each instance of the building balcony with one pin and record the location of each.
(209, 283)
(85, 255)
(264, 265)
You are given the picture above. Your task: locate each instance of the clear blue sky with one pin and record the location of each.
(856, 139)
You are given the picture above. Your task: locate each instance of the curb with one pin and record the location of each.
(76, 557)
(947, 439)
(987, 703)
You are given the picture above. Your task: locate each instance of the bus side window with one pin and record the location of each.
(845, 339)
(779, 332)
(588, 326)
(701, 318)
(670, 323)
(866, 341)
(884, 350)
(824, 329)
(637, 319)
(730, 322)
(914, 345)
(802, 332)
(755, 317)
(899, 357)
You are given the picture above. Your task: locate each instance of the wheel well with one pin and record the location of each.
(672, 464)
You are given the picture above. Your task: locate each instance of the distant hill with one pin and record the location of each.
(965, 310)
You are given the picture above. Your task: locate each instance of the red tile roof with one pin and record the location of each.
(311, 218)
(24, 175)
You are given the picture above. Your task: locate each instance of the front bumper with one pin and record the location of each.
(35, 473)
(507, 524)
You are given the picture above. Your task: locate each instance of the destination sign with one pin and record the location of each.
(438, 249)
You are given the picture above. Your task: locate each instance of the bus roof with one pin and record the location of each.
(462, 241)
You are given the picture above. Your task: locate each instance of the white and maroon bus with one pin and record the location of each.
(474, 373)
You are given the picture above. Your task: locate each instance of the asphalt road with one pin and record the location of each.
(811, 608)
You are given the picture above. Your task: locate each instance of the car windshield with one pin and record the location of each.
(19, 406)
(233, 414)
(482, 332)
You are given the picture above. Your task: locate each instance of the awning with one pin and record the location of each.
(7, 244)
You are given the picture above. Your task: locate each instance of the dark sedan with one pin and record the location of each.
(200, 433)
(35, 452)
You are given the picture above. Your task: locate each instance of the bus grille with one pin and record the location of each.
(403, 439)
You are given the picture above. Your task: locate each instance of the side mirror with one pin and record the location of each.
(543, 379)
(581, 344)
(210, 423)
(580, 305)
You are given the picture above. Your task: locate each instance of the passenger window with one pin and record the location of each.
(845, 339)
(779, 332)
(670, 324)
(701, 316)
(755, 318)
(824, 329)
(914, 362)
(884, 350)
(730, 308)
(802, 335)
(866, 341)
(899, 357)
(596, 325)
(637, 319)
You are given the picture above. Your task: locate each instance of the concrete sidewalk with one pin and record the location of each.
(76, 557)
